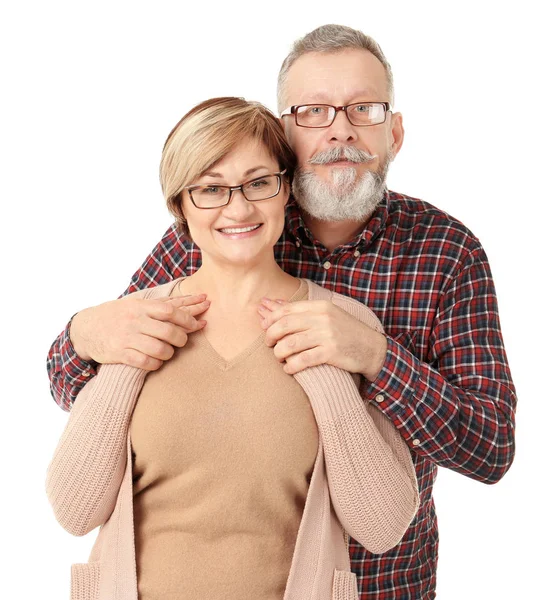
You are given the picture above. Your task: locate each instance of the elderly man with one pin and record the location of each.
(440, 374)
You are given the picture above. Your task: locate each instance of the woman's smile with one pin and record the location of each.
(240, 232)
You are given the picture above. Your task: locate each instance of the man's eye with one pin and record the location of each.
(316, 110)
(362, 108)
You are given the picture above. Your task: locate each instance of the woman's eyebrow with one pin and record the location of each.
(246, 173)
(253, 169)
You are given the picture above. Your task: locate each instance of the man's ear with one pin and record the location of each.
(397, 132)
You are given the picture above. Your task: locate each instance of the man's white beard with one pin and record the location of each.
(346, 198)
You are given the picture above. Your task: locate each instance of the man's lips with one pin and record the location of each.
(343, 161)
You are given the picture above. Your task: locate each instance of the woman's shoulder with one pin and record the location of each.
(158, 291)
(355, 308)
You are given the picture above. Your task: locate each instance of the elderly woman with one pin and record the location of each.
(220, 475)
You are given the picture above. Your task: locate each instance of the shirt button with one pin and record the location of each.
(327, 265)
(356, 254)
(297, 243)
(380, 398)
(416, 442)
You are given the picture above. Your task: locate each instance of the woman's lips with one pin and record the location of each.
(240, 232)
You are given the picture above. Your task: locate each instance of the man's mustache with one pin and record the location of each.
(338, 153)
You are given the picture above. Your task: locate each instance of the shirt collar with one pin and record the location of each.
(298, 229)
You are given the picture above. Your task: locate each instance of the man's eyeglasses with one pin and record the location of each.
(361, 114)
(216, 196)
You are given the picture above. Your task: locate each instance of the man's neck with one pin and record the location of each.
(333, 233)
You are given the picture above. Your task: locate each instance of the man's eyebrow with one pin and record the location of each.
(324, 97)
(246, 173)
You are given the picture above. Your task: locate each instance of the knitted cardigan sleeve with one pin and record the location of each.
(370, 471)
(84, 477)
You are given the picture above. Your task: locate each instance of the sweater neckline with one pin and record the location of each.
(226, 364)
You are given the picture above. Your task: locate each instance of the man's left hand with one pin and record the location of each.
(314, 332)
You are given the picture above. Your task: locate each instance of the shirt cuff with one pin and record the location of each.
(395, 385)
(77, 370)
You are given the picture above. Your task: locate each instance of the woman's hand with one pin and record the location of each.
(135, 331)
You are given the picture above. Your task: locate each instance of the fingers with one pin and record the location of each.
(196, 309)
(292, 324)
(303, 360)
(294, 344)
(137, 359)
(273, 310)
(164, 331)
(151, 347)
(185, 300)
(181, 312)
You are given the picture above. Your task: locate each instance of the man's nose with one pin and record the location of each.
(342, 130)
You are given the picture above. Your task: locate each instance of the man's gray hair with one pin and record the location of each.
(331, 38)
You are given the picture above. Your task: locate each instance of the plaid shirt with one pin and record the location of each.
(445, 383)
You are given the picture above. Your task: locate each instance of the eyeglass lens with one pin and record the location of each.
(322, 115)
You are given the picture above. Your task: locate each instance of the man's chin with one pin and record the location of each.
(345, 197)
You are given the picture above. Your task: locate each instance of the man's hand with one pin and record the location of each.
(135, 331)
(314, 332)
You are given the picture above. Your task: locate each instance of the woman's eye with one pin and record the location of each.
(211, 190)
(260, 183)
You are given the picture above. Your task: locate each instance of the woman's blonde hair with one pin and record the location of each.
(206, 134)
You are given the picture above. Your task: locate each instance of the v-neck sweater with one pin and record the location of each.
(223, 452)
(363, 480)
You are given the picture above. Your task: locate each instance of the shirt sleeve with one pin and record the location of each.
(67, 372)
(457, 408)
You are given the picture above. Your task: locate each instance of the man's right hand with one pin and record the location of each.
(135, 331)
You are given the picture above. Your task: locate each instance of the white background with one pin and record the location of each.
(90, 91)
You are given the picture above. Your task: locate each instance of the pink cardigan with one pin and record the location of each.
(363, 483)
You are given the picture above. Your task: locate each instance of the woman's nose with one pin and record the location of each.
(238, 207)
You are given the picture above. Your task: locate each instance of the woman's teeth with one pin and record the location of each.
(239, 229)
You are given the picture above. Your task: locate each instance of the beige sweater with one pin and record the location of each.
(223, 455)
(363, 479)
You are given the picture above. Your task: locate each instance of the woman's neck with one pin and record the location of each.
(238, 287)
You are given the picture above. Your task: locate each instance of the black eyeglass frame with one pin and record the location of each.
(293, 110)
(232, 188)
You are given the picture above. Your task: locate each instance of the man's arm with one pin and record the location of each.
(457, 407)
(68, 373)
